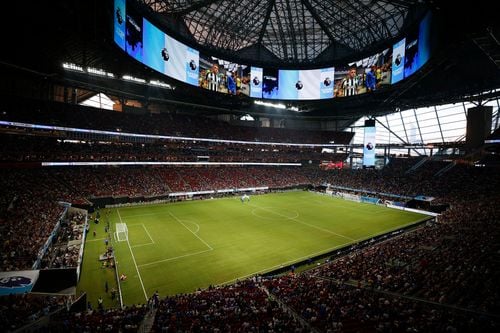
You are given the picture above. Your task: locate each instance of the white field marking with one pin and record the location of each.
(270, 218)
(191, 222)
(148, 214)
(95, 239)
(174, 258)
(139, 245)
(143, 244)
(135, 263)
(308, 224)
(211, 248)
(286, 263)
(337, 204)
(147, 233)
(379, 213)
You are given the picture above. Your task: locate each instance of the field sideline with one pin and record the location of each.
(180, 247)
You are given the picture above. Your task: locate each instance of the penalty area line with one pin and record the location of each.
(174, 258)
(147, 233)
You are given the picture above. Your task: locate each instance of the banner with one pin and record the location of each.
(369, 144)
(398, 61)
(17, 282)
(327, 82)
(119, 23)
(256, 82)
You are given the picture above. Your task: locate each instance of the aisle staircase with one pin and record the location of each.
(147, 323)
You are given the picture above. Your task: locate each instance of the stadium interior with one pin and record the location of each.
(95, 131)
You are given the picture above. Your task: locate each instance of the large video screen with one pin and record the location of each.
(255, 82)
(168, 56)
(148, 44)
(134, 34)
(297, 84)
(366, 75)
(369, 144)
(119, 23)
(413, 51)
(224, 76)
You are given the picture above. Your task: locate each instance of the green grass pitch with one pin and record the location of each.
(179, 247)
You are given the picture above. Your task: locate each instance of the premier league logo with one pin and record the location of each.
(164, 54)
(192, 65)
(299, 85)
(256, 81)
(327, 82)
(398, 60)
(14, 282)
(119, 17)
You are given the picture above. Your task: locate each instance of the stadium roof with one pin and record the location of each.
(46, 34)
(290, 31)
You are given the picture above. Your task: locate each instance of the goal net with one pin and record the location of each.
(121, 232)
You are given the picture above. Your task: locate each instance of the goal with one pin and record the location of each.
(121, 232)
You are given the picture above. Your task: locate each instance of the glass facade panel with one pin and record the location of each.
(432, 125)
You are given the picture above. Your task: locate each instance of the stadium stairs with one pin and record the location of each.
(365, 286)
(147, 323)
(417, 165)
(447, 168)
(289, 310)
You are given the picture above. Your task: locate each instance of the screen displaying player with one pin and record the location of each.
(146, 43)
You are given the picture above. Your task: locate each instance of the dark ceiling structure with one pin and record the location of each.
(290, 31)
(301, 33)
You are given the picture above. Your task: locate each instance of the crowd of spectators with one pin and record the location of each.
(66, 243)
(23, 309)
(26, 149)
(29, 211)
(111, 320)
(241, 307)
(330, 306)
(169, 124)
(440, 277)
(31, 195)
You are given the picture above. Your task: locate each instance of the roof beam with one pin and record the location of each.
(195, 6)
(266, 21)
(318, 19)
(292, 32)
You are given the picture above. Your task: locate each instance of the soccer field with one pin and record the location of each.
(179, 247)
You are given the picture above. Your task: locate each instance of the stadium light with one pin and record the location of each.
(160, 84)
(100, 72)
(133, 79)
(72, 67)
(272, 105)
